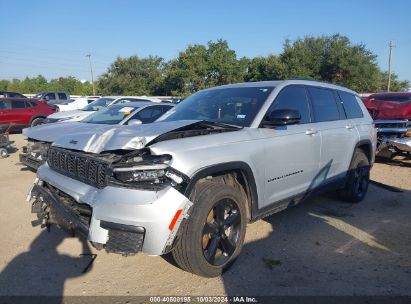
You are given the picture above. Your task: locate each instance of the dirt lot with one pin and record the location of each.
(321, 247)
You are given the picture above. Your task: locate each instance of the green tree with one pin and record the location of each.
(265, 68)
(396, 84)
(132, 76)
(333, 59)
(200, 67)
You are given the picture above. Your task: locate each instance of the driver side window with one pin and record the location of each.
(293, 98)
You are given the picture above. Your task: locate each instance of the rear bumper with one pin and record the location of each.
(122, 208)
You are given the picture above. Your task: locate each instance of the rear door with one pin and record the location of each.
(338, 134)
(20, 114)
(292, 153)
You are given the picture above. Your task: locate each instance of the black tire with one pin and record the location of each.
(37, 121)
(358, 179)
(195, 243)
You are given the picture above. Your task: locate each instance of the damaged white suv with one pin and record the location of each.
(189, 184)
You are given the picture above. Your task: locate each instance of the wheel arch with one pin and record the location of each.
(243, 174)
(35, 117)
(364, 145)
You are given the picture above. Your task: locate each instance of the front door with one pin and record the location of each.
(292, 153)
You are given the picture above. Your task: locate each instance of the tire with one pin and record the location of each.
(37, 121)
(358, 179)
(193, 251)
(3, 153)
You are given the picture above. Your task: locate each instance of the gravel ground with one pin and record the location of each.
(320, 247)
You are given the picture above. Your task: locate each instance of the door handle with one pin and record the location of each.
(311, 132)
(349, 127)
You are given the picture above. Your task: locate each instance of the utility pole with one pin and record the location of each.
(91, 72)
(389, 65)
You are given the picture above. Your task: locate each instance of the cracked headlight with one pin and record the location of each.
(148, 169)
(142, 173)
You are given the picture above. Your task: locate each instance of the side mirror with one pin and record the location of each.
(134, 122)
(283, 117)
(46, 98)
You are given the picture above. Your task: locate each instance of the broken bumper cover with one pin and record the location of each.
(30, 161)
(401, 144)
(117, 210)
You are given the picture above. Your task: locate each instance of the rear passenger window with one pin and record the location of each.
(324, 104)
(18, 104)
(5, 105)
(350, 103)
(62, 96)
(50, 96)
(293, 98)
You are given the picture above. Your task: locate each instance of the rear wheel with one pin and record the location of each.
(358, 178)
(213, 236)
(37, 121)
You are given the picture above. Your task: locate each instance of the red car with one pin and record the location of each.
(392, 118)
(389, 105)
(23, 112)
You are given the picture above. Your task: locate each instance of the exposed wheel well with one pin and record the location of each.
(236, 178)
(366, 147)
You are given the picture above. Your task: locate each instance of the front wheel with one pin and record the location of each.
(37, 121)
(213, 235)
(358, 178)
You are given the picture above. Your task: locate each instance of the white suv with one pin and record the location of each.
(190, 183)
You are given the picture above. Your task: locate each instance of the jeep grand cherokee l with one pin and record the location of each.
(190, 183)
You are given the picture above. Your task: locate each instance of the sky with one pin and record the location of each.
(52, 38)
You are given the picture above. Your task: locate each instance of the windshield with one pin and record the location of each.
(235, 106)
(98, 104)
(110, 116)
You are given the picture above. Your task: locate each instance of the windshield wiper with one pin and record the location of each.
(222, 124)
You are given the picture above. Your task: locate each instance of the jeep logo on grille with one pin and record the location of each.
(73, 141)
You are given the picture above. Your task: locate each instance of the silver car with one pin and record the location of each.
(190, 183)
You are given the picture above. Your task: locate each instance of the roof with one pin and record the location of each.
(138, 104)
(18, 98)
(275, 83)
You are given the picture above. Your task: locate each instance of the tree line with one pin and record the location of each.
(334, 59)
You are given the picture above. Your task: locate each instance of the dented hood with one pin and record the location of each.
(117, 137)
(50, 132)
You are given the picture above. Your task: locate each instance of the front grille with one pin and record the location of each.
(78, 166)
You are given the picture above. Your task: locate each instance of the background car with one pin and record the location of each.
(392, 117)
(23, 112)
(103, 102)
(7, 94)
(391, 105)
(132, 113)
(53, 98)
(76, 103)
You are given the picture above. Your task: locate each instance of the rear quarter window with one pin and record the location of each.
(350, 104)
(62, 96)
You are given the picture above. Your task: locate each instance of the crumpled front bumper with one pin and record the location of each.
(114, 210)
(30, 161)
(401, 144)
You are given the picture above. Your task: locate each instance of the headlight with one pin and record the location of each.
(141, 173)
(148, 169)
